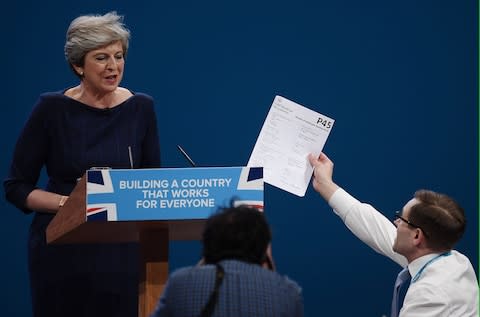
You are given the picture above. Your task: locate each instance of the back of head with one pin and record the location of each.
(240, 233)
(440, 217)
(89, 32)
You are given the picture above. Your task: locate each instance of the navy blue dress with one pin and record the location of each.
(67, 137)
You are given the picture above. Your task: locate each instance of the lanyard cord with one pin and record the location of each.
(417, 276)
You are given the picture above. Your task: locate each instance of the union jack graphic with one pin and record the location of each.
(249, 203)
(99, 182)
(251, 178)
(101, 212)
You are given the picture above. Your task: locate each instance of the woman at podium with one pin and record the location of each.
(96, 123)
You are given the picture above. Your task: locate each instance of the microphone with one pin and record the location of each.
(130, 157)
(186, 156)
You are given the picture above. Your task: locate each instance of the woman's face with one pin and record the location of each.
(103, 68)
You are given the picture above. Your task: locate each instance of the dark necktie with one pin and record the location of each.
(402, 278)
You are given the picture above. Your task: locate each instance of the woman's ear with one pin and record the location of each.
(78, 70)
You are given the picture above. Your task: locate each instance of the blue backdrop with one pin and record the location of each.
(399, 78)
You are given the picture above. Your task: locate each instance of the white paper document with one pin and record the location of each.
(290, 132)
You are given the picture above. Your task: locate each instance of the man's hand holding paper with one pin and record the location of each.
(289, 134)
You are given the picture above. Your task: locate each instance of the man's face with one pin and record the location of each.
(405, 233)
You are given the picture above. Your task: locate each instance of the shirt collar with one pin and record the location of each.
(416, 265)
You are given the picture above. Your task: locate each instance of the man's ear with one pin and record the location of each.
(267, 259)
(267, 262)
(419, 237)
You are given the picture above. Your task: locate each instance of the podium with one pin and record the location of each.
(151, 207)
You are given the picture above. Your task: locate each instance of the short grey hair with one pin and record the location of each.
(89, 32)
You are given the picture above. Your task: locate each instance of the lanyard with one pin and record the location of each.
(417, 276)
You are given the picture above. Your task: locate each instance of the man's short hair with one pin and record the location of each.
(240, 233)
(440, 217)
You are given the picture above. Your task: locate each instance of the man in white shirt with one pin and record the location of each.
(443, 281)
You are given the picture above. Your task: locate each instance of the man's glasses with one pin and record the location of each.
(398, 215)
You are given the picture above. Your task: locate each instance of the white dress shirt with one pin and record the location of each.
(442, 285)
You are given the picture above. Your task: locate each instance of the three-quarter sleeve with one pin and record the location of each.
(28, 158)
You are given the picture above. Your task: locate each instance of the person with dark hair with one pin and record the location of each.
(421, 239)
(230, 281)
(94, 123)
